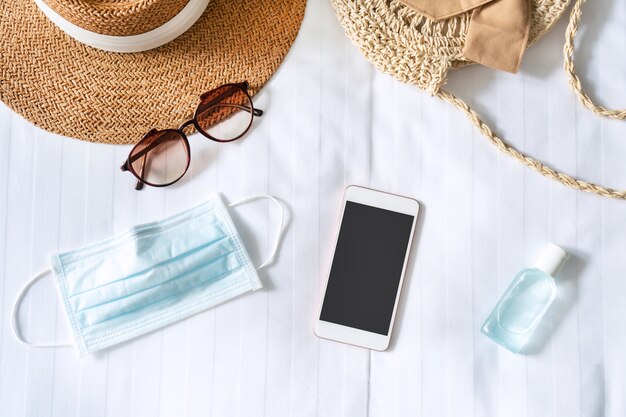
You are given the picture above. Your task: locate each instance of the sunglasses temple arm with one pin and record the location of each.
(143, 152)
(256, 112)
(147, 149)
(219, 98)
(139, 184)
(228, 93)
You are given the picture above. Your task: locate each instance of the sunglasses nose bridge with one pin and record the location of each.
(186, 125)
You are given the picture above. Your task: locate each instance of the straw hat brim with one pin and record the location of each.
(74, 90)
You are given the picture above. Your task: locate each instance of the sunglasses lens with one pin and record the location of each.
(161, 157)
(225, 113)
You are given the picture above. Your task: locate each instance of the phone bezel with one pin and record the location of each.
(350, 335)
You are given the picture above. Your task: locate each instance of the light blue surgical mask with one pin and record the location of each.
(152, 275)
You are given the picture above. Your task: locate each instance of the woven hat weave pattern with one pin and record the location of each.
(74, 90)
(118, 17)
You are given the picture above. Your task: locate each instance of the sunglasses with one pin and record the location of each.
(162, 157)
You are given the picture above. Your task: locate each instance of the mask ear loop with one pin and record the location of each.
(279, 236)
(16, 306)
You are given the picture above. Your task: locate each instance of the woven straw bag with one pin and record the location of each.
(419, 51)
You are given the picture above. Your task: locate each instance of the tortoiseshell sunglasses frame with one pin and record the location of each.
(243, 87)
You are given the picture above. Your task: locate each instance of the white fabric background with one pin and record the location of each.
(332, 120)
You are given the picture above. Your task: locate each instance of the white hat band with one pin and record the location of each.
(165, 33)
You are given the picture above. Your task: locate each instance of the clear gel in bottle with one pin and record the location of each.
(525, 302)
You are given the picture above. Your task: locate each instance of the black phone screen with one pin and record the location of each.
(367, 267)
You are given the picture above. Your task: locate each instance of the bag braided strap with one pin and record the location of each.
(533, 163)
(530, 162)
(568, 62)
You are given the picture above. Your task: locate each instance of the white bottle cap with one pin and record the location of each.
(551, 259)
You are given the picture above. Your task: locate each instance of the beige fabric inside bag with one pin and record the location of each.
(498, 30)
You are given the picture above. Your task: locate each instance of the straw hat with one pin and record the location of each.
(67, 87)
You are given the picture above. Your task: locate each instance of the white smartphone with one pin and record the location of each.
(370, 256)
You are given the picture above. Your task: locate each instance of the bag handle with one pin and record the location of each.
(529, 161)
(570, 70)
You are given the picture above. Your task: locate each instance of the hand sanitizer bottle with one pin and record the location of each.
(525, 302)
